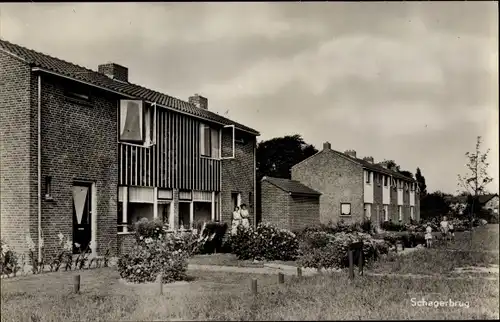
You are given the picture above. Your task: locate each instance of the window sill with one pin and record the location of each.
(209, 158)
(149, 145)
(345, 215)
(125, 233)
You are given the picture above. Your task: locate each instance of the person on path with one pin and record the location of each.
(428, 235)
(245, 216)
(452, 230)
(444, 225)
(236, 220)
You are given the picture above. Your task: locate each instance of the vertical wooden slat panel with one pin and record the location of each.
(159, 172)
(182, 147)
(136, 165)
(191, 158)
(169, 159)
(166, 137)
(176, 150)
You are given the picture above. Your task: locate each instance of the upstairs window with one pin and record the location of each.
(209, 141)
(386, 181)
(77, 93)
(137, 122)
(367, 177)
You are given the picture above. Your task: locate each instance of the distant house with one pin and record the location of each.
(289, 204)
(489, 203)
(354, 189)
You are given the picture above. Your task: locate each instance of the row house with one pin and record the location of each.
(87, 154)
(354, 189)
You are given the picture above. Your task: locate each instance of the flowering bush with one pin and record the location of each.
(266, 242)
(8, 260)
(333, 228)
(145, 261)
(326, 250)
(149, 229)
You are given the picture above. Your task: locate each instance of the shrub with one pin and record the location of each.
(266, 242)
(149, 229)
(145, 261)
(215, 233)
(325, 250)
(8, 260)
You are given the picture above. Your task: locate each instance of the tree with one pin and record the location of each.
(406, 173)
(275, 157)
(434, 204)
(475, 179)
(421, 182)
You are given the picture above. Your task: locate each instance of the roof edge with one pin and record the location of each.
(290, 192)
(39, 69)
(315, 154)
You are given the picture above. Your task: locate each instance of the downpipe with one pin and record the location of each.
(39, 165)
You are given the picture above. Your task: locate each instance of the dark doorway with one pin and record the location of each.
(82, 216)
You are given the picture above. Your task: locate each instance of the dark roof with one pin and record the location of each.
(377, 168)
(58, 66)
(463, 199)
(485, 198)
(291, 186)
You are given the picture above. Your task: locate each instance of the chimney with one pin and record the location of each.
(199, 101)
(351, 153)
(327, 146)
(114, 71)
(368, 159)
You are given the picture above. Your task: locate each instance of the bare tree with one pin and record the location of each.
(476, 178)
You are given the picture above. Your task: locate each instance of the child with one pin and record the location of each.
(450, 228)
(428, 235)
(444, 227)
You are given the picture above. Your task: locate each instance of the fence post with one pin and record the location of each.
(254, 286)
(161, 283)
(281, 278)
(351, 264)
(76, 284)
(299, 272)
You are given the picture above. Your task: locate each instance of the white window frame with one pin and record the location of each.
(231, 157)
(400, 213)
(412, 212)
(146, 124)
(350, 209)
(202, 142)
(367, 177)
(386, 212)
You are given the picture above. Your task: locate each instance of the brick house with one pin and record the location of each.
(87, 153)
(353, 189)
(288, 203)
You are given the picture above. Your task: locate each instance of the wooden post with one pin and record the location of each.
(281, 278)
(351, 264)
(161, 283)
(254, 286)
(299, 272)
(76, 284)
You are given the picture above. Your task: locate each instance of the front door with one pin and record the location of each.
(82, 216)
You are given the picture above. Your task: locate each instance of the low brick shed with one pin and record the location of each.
(289, 204)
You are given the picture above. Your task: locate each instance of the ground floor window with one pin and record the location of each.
(400, 213)
(386, 212)
(368, 211)
(412, 213)
(345, 209)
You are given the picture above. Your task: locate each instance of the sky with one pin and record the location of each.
(414, 82)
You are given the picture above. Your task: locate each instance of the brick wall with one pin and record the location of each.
(275, 205)
(304, 211)
(124, 243)
(338, 179)
(238, 174)
(15, 157)
(78, 143)
(378, 205)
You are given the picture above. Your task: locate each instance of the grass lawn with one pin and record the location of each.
(226, 296)
(443, 258)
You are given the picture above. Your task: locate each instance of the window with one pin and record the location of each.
(412, 187)
(386, 181)
(345, 209)
(368, 177)
(379, 179)
(386, 212)
(368, 211)
(209, 141)
(48, 188)
(400, 212)
(77, 93)
(412, 213)
(137, 122)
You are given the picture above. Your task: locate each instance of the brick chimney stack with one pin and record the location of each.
(327, 146)
(114, 71)
(199, 101)
(368, 159)
(351, 153)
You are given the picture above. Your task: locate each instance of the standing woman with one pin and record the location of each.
(236, 220)
(245, 216)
